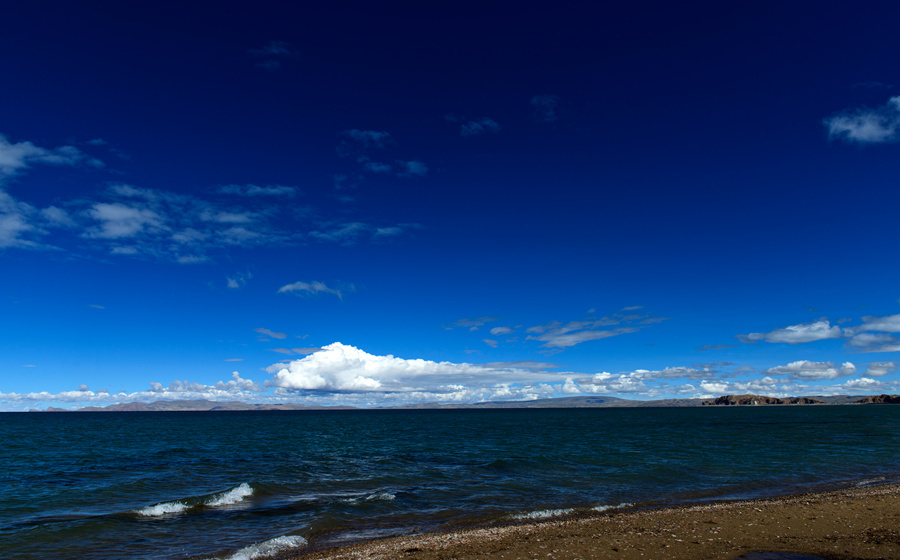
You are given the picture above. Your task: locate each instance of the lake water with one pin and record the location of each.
(241, 485)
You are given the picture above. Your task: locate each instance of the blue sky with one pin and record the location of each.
(451, 202)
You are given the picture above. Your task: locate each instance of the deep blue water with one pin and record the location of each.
(241, 484)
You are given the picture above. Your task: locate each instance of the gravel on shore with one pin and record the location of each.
(859, 523)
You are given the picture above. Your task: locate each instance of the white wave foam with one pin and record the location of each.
(381, 496)
(868, 481)
(233, 496)
(268, 548)
(604, 508)
(543, 514)
(164, 508)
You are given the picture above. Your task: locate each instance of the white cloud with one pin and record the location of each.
(866, 384)
(236, 384)
(21, 155)
(877, 369)
(874, 342)
(383, 380)
(236, 388)
(57, 217)
(491, 343)
(889, 323)
(501, 330)
(766, 385)
(117, 220)
(867, 126)
(678, 372)
(807, 370)
(338, 367)
(21, 224)
(310, 289)
(796, 334)
(570, 387)
(16, 223)
(715, 387)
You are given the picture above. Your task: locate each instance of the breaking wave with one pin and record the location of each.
(233, 496)
(562, 512)
(227, 498)
(268, 548)
(164, 508)
(543, 514)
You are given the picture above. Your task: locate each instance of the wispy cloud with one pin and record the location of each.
(796, 334)
(361, 146)
(237, 281)
(22, 225)
(351, 233)
(866, 125)
(411, 169)
(272, 334)
(257, 190)
(706, 347)
(273, 54)
(471, 323)
(558, 335)
(566, 335)
(274, 48)
(358, 144)
(129, 220)
(545, 107)
(474, 127)
(311, 289)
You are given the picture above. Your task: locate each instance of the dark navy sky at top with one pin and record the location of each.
(684, 133)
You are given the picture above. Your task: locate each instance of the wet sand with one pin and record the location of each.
(841, 525)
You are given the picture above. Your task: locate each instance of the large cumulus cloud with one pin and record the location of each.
(340, 367)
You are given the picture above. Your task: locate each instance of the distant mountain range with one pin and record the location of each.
(562, 402)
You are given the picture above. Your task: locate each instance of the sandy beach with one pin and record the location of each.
(860, 523)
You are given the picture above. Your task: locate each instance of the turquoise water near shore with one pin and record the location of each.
(241, 485)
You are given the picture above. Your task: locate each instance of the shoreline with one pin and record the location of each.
(853, 523)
